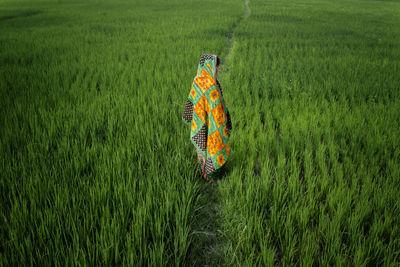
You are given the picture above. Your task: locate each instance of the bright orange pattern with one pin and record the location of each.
(202, 108)
(225, 131)
(214, 95)
(214, 143)
(193, 93)
(194, 125)
(206, 105)
(220, 159)
(219, 115)
(209, 120)
(204, 81)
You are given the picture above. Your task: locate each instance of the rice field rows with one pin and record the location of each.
(96, 165)
(314, 87)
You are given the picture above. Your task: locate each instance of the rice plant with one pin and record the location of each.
(96, 166)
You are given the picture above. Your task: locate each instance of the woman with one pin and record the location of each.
(207, 115)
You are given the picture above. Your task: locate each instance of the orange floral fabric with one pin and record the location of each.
(207, 114)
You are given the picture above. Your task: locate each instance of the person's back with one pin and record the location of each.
(208, 116)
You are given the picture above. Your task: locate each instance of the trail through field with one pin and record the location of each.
(208, 248)
(247, 10)
(246, 14)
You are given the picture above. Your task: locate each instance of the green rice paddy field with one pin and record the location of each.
(96, 165)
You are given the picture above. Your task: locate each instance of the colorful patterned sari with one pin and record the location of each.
(207, 114)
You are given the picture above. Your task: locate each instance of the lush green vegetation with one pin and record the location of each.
(96, 165)
(315, 168)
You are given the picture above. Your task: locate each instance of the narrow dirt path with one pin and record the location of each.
(245, 15)
(208, 247)
(247, 9)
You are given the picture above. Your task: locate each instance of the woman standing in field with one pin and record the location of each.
(207, 114)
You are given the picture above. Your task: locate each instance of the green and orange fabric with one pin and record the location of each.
(207, 114)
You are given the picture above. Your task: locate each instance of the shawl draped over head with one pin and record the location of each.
(207, 115)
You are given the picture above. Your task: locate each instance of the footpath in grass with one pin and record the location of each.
(95, 162)
(209, 245)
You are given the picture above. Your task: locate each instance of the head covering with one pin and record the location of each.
(207, 115)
